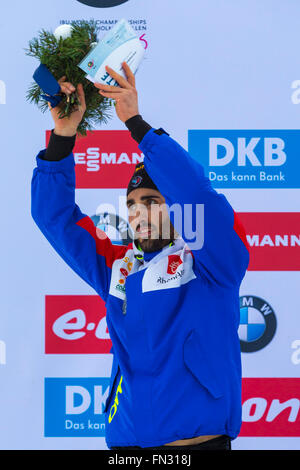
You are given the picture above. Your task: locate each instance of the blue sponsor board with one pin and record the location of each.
(248, 158)
(74, 407)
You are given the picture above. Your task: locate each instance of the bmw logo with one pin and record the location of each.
(257, 323)
(115, 227)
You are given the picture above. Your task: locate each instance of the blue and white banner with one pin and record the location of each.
(248, 158)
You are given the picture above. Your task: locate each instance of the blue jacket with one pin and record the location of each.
(173, 316)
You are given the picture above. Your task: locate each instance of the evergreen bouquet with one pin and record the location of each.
(61, 52)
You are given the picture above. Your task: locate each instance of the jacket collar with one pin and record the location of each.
(145, 257)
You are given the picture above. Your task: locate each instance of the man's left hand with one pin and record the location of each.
(125, 95)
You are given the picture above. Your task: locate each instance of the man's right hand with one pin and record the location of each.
(68, 126)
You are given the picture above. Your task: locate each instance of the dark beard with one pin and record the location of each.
(149, 245)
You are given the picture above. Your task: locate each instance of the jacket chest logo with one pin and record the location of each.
(121, 270)
(170, 272)
(173, 262)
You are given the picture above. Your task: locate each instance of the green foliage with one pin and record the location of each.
(62, 58)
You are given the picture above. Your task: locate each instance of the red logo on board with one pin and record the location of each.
(105, 159)
(271, 407)
(274, 240)
(76, 324)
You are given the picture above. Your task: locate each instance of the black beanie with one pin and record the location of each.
(140, 179)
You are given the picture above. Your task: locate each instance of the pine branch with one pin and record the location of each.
(62, 58)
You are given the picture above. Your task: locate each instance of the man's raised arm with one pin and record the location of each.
(219, 243)
(86, 249)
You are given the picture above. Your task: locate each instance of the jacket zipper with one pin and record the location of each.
(112, 391)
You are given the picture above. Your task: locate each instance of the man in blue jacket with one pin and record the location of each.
(172, 302)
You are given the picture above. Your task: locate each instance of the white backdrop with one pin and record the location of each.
(209, 65)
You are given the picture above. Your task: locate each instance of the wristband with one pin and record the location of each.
(59, 147)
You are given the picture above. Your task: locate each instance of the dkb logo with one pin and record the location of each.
(102, 3)
(74, 406)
